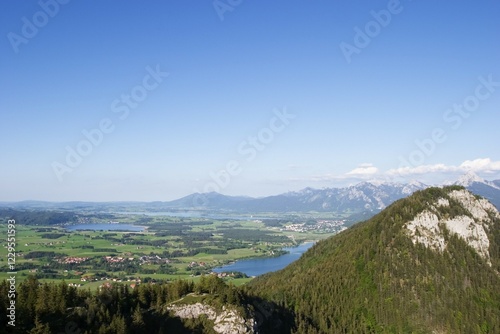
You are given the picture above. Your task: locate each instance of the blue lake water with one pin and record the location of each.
(256, 267)
(106, 227)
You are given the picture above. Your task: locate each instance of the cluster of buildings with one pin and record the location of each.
(133, 282)
(223, 275)
(117, 259)
(155, 259)
(323, 226)
(72, 260)
(197, 264)
(89, 278)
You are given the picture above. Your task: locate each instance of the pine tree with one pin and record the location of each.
(137, 319)
(118, 325)
(40, 328)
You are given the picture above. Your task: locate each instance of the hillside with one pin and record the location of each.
(428, 263)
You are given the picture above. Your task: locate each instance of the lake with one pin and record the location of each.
(106, 227)
(259, 266)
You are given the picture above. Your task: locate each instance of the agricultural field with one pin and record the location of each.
(167, 248)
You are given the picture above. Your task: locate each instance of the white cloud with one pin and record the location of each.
(481, 165)
(423, 169)
(477, 166)
(363, 170)
(430, 174)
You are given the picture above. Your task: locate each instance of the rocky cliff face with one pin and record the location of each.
(428, 227)
(227, 321)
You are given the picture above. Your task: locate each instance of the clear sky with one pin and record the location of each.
(154, 100)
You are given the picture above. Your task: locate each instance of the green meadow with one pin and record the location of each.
(169, 248)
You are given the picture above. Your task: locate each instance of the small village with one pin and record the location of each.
(320, 226)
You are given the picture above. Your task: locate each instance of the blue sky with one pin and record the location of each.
(154, 100)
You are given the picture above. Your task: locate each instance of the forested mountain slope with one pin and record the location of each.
(428, 263)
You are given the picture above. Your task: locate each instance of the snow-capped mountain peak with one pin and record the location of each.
(468, 179)
(417, 184)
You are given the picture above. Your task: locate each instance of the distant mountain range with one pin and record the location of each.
(361, 201)
(364, 196)
(368, 197)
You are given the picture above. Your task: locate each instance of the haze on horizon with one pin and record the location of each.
(112, 101)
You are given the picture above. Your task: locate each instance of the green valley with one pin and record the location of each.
(168, 248)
